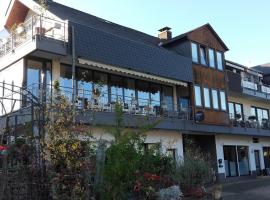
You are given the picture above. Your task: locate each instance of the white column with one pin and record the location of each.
(55, 69)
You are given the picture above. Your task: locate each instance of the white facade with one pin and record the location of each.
(222, 140)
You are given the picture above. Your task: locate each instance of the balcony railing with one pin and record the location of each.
(36, 26)
(256, 89)
(249, 122)
(104, 102)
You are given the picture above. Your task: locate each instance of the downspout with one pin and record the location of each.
(73, 72)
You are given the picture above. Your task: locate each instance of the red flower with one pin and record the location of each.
(151, 177)
(3, 148)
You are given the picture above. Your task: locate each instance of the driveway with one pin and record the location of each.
(253, 189)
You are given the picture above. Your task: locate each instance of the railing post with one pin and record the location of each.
(32, 27)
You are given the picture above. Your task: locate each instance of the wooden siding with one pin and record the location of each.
(17, 14)
(208, 77)
(205, 37)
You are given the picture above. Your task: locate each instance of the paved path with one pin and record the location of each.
(254, 189)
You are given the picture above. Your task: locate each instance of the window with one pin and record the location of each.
(167, 97)
(219, 61)
(84, 82)
(236, 110)
(260, 113)
(215, 99)
(206, 95)
(198, 96)
(211, 58)
(194, 49)
(203, 55)
(129, 90)
(155, 91)
(143, 93)
(116, 84)
(101, 85)
(222, 100)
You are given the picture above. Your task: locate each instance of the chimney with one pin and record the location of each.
(165, 33)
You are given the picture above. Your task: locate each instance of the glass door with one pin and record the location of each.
(243, 161)
(230, 160)
(257, 161)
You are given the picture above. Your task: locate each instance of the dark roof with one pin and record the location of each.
(245, 68)
(264, 68)
(109, 43)
(184, 35)
(103, 47)
(67, 13)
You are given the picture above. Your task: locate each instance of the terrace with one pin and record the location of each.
(36, 33)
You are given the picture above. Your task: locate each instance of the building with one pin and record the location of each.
(185, 79)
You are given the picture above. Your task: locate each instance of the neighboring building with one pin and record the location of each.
(184, 79)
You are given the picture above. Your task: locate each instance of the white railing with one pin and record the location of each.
(249, 85)
(36, 26)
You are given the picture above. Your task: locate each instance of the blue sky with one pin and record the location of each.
(244, 25)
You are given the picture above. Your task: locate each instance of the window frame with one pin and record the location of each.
(195, 99)
(234, 109)
(209, 96)
(197, 52)
(214, 58)
(225, 98)
(202, 47)
(222, 60)
(256, 111)
(213, 105)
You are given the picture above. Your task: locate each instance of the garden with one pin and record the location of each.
(67, 162)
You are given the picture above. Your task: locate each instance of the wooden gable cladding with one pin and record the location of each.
(214, 117)
(211, 79)
(208, 77)
(205, 36)
(17, 14)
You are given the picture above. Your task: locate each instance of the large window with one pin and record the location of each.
(219, 61)
(223, 103)
(194, 49)
(101, 85)
(143, 93)
(236, 110)
(211, 58)
(167, 97)
(38, 72)
(198, 95)
(236, 160)
(117, 84)
(215, 99)
(155, 93)
(84, 83)
(260, 113)
(129, 90)
(206, 95)
(203, 55)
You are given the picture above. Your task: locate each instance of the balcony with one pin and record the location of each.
(37, 33)
(250, 122)
(241, 85)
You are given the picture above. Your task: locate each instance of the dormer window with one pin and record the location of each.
(203, 55)
(194, 50)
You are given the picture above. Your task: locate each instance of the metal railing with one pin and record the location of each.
(105, 102)
(249, 122)
(35, 26)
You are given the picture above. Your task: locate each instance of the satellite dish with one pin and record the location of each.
(199, 116)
